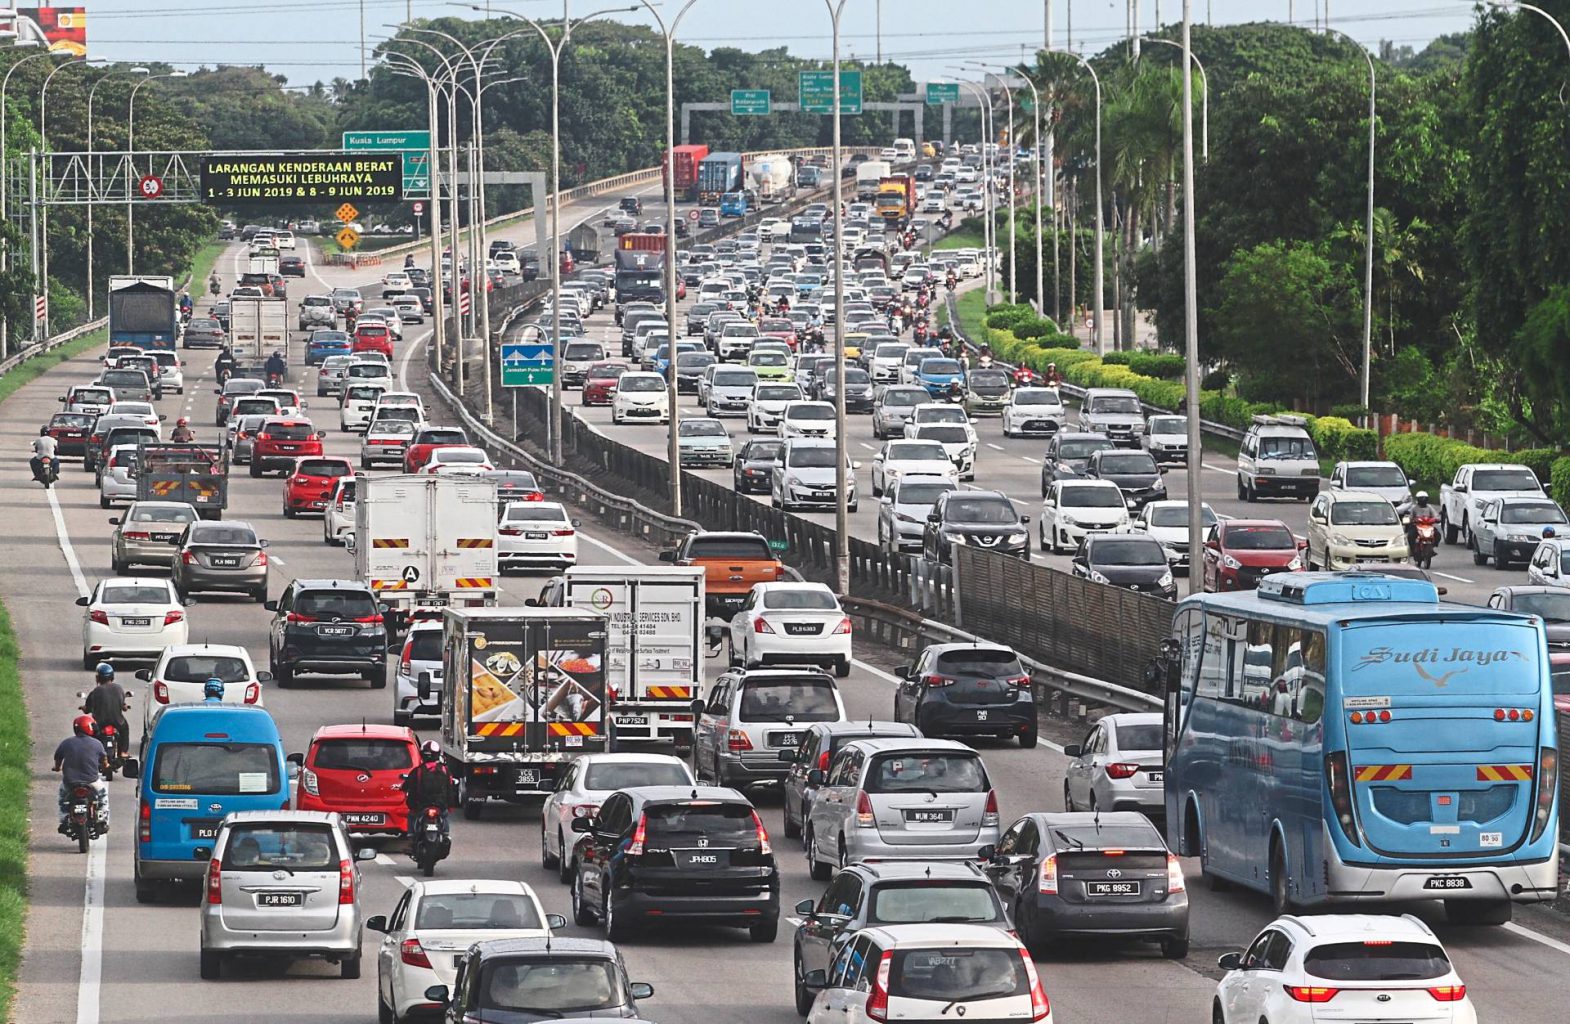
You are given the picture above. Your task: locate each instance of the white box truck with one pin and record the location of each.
(258, 327)
(869, 173)
(423, 542)
(655, 650)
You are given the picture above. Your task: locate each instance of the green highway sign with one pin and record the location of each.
(415, 147)
(528, 363)
(751, 101)
(939, 93)
(816, 92)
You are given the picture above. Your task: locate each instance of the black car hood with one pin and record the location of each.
(1123, 575)
(1132, 481)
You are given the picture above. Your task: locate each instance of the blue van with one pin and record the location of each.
(200, 763)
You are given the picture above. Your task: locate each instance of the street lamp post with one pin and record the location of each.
(92, 94)
(1194, 467)
(988, 214)
(1368, 229)
(1204, 98)
(841, 452)
(5, 185)
(1037, 187)
(1008, 97)
(130, 146)
(44, 147)
(1100, 224)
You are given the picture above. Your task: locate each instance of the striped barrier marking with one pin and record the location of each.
(389, 542)
(1383, 772)
(1504, 773)
(572, 729)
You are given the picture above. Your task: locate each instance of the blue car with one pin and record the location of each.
(327, 343)
(937, 374)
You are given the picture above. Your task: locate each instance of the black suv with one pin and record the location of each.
(328, 626)
(1135, 472)
(632, 205)
(865, 894)
(675, 854)
(1126, 560)
(1067, 455)
(986, 519)
(536, 978)
(967, 690)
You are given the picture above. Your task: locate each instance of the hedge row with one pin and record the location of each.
(1434, 459)
(1559, 481)
(1164, 365)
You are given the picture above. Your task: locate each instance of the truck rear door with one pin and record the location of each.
(392, 534)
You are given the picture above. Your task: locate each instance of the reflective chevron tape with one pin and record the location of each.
(498, 728)
(476, 542)
(670, 693)
(572, 729)
(389, 585)
(1383, 772)
(1504, 773)
(389, 542)
(471, 582)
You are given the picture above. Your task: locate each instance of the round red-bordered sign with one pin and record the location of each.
(692, 214)
(419, 208)
(150, 186)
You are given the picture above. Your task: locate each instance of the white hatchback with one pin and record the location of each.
(131, 617)
(420, 655)
(183, 670)
(590, 779)
(640, 396)
(1033, 411)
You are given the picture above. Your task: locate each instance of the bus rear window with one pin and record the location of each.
(1451, 658)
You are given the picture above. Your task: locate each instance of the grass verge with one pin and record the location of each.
(203, 262)
(960, 240)
(33, 368)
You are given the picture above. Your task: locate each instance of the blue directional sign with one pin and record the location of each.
(527, 363)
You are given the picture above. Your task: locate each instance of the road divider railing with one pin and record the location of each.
(33, 351)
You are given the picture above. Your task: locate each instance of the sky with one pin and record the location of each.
(311, 40)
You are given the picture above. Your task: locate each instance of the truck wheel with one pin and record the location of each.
(471, 808)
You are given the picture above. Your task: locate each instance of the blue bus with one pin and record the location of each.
(1346, 738)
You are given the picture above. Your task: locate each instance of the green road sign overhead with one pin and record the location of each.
(751, 101)
(415, 147)
(387, 140)
(942, 92)
(816, 91)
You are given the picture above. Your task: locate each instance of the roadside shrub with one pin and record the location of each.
(1539, 460)
(1161, 365)
(1559, 481)
(1339, 438)
(1029, 330)
(1118, 358)
(1215, 380)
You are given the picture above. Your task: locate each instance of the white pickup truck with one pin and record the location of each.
(1462, 499)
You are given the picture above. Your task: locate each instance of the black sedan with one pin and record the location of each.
(291, 266)
(753, 472)
(206, 332)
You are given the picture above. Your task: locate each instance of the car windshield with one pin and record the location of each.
(609, 776)
(1283, 448)
(1128, 462)
(198, 668)
(362, 754)
(1082, 448)
(342, 603)
(937, 367)
(1174, 516)
(1128, 552)
(810, 458)
(692, 362)
(926, 772)
(125, 378)
(802, 699)
(802, 599)
(1531, 514)
(811, 412)
(448, 456)
(981, 510)
(891, 351)
(912, 493)
(1363, 513)
(734, 379)
(905, 397)
(1260, 538)
(283, 848)
(161, 514)
(1505, 480)
(138, 594)
(394, 421)
(358, 393)
(768, 357)
(582, 350)
(918, 902)
(215, 769)
(1552, 607)
(1168, 425)
(953, 974)
(1375, 476)
(744, 547)
(1377, 960)
(917, 452)
(223, 535)
(701, 428)
(641, 384)
(449, 435)
(607, 371)
(1035, 396)
(549, 987)
(988, 379)
(1122, 405)
(943, 433)
(776, 393)
(1091, 497)
(1108, 837)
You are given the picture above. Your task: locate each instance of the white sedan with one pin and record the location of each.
(432, 926)
(131, 617)
(791, 624)
(145, 410)
(897, 458)
(183, 670)
(536, 534)
(459, 460)
(590, 779)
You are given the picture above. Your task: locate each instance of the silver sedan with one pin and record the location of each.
(1118, 767)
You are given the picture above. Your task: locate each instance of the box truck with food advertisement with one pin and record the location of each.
(523, 694)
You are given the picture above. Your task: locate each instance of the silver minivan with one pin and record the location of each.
(752, 714)
(282, 884)
(900, 799)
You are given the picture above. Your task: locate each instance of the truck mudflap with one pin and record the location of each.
(643, 722)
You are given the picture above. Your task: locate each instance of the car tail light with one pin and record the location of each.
(215, 887)
(264, 436)
(989, 814)
(261, 558)
(823, 761)
(406, 659)
(253, 692)
(1121, 770)
(188, 557)
(370, 619)
(878, 999)
(763, 835)
(309, 783)
(508, 531)
(563, 533)
(843, 628)
(412, 953)
(99, 616)
(1175, 879)
(170, 618)
(1311, 993)
(864, 816)
(736, 741)
(937, 680)
(761, 625)
(1341, 794)
(640, 835)
(584, 810)
(1040, 1006)
(297, 617)
(345, 882)
(1547, 786)
(161, 691)
(779, 572)
(1448, 993)
(1047, 879)
(137, 535)
(144, 826)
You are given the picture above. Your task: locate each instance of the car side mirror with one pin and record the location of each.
(987, 852)
(216, 391)
(583, 825)
(424, 684)
(1073, 750)
(132, 768)
(271, 606)
(1024, 520)
(641, 990)
(365, 853)
(377, 923)
(81, 602)
(438, 994)
(114, 520)
(298, 759)
(815, 981)
(667, 556)
(264, 676)
(697, 706)
(262, 543)
(815, 777)
(1229, 961)
(145, 674)
(348, 542)
(788, 755)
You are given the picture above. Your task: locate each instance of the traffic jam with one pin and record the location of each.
(537, 770)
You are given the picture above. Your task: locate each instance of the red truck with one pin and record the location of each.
(686, 160)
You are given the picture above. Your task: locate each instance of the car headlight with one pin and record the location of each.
(1068, 521)
(1019, 537)
(1228, 562)
(1096, 577)
(1295, 564)
(1341, 540)
(791, 481)
(1165, 580)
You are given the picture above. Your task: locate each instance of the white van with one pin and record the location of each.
(904, 149)
(1277, 458)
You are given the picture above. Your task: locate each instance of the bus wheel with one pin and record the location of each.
(1280, 898)
(1477, 912)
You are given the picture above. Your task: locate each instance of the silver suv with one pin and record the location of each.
(752, 714)
(282, 884)
(1115, 412)
(900, 799)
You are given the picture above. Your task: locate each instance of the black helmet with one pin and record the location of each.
(104, 673)
(43, 431)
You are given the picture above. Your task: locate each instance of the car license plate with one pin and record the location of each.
(1447, 882)
(930, 816)
(528, 776)
(1112, 888)
(335, 630)
(164, 537)
(364, 818)
(226, 563)
(280, 899)
(982, 714)
(318, 504)
(136, 622)
(701, 858)
(802, 628)
(535, 535)
(785, 739)
(1156, 776)
(204, 829)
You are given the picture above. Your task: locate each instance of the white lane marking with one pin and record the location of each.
(63, 538)
(1219, 469)
(408, 353)
(1033, 461)
(1446, 575)
(404, 880)
(866, 446)
(1527, 933)
(276, 560)
(89, 980)
(626, 558)
(996, 447)
(384, 860)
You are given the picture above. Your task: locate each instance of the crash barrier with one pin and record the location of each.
(33, 350)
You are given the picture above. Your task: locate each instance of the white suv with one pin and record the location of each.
(1369, 968)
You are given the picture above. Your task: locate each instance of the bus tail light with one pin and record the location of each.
(1547, 787)
(1341, 794)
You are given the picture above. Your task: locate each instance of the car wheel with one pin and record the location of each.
(818, 871)
(841, 667)
(89, 662)
(377, 677)
(764, 931)
(283, 675)
(211, 966)
(1241, 494)
(1175, 948)
(256, 467)
(549, 861)
(566, 867)
(581, 914)
(403, 719)
(1027, 740)
(384, 1013)
(617, 928)
(1217, 1015)
(1445, 528)
(288, 513)
(1068, 798)
(804, 997)
(349, 967)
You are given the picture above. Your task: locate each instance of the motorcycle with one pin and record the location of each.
(429, 841)
(46, 470)
(1425, 540)
(214, 287)
(83, 822)
(274, 379)
(114, 744)
(1024, 377)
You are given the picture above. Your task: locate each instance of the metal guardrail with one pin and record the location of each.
(49, 344)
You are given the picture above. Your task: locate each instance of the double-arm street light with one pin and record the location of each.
(130, 145)
(841, 449)
(988, 209)
(1100, 224)
(1008, 96)
(1042, 173)
(1204, 97)
(92, 94)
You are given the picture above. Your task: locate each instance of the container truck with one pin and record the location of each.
(196, 474)
(772, 175)
(869, 173)
(523, 694)
(258, 327)
(655, 652)
(424, 542)
(686, 159)
(143, 311)
(640, 268)
(718, 173)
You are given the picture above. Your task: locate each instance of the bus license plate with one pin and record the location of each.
(1447, 882)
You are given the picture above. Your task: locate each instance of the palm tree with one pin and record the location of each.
(1395, 260)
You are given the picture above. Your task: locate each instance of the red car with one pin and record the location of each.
(1559, 673)
(428, 440)
(358, 770)
(70, 431)
(373, 337)
(311, 484)
(599, 384)
(281, 441)
(1241, 552)
(784, 330)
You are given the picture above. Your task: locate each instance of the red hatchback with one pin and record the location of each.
(281, 441)
(357, 770)
(373, 337)
(599, 383)
(1241, 552)
(427, 441)
(308, 488)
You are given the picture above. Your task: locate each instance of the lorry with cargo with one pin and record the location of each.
(869, 175)
(773, 176)
(197, 474)
(640, 268)
(523, 695)
(718, 173)
(896, 201)
(422, 542)
(143, 311)
(258, 327)
(686, 160)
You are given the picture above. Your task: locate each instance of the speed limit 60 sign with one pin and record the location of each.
(150, 186)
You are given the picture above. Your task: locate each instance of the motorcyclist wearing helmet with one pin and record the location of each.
(1052, 376)
(106, 703)
(82, 761)
(430, 783)
(213, 691)
(276, 367)
(44, 447)
(182, 432)
(1421, 510)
